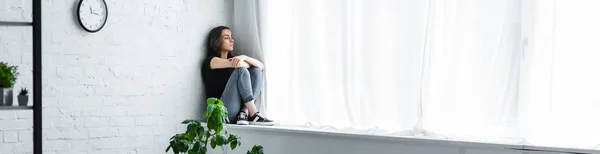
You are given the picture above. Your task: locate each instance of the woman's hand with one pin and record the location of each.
(244, 64)
(254, 62)
(239, 61)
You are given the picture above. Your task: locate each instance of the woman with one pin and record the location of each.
(236, 80)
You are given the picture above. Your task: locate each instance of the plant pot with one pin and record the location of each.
(23, 99)
(7, 96)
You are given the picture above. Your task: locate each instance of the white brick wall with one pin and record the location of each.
(123, 90)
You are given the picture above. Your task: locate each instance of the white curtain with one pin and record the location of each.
(560, 83)
(248, 30)
(510, 71)
(471, 70)
(346, 63)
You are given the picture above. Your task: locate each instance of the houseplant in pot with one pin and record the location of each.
(23, 97)
(197, 139)
(8, 76)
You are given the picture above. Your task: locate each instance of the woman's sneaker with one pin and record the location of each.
(260, 120)
(242, 118)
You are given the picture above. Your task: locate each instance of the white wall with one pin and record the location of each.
(124, 89)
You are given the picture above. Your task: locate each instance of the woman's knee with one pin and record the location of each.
(243, 71)
(255, 74)
(255, 70)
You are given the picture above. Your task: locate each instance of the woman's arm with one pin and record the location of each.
(253, 62)
(217, 63)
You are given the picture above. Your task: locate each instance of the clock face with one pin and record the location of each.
(92, 14)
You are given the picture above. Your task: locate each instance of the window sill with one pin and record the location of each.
(410, 140)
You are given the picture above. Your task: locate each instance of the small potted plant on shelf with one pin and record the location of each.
(8, 76)
(23, 97)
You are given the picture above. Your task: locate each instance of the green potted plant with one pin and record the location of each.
(196, 138)
(23, 97)
(8, 76)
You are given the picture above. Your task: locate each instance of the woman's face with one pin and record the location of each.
(226, 40)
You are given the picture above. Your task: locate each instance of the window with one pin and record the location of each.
(503, 71)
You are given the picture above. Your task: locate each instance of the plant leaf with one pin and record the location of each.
(257, 149)
(220, 103)
(215, 121)
(233, 145)
(220, 126)
(168, 148)
(196, 148)
(260, 151)
(211, 100)
(201, 133)
(234, 141)
(209, 109)
(232, 138)
(177, 137)
(213, 143)
(191, 131)
(213, 124)
(185, 145)
(224, 114)
(173, 144)
(181, 147)
(203, 150)
(188, 121)
(221, 140)
(188, 137)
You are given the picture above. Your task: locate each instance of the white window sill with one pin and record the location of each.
(410, 140)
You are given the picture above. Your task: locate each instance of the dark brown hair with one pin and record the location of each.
(213, 43)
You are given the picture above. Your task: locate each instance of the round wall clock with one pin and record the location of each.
(92, 14)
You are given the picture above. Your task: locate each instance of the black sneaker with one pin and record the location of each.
(242, 118)
(260, 120)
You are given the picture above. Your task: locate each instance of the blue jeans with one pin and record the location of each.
(243, 86)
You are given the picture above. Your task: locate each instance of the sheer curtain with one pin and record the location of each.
(248, 30)
(470, 81)
(446, 67)
(510, 71)
(561, 81)
(346, 64)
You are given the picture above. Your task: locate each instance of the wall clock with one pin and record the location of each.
(92, 15)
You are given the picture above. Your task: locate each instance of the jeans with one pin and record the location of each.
(243, 86)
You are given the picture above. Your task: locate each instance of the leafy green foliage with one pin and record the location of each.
(8, 75)
(216, 115)
(257, 149)
(234, 141)
(195, 140)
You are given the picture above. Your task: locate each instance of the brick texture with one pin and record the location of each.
(123, 90)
